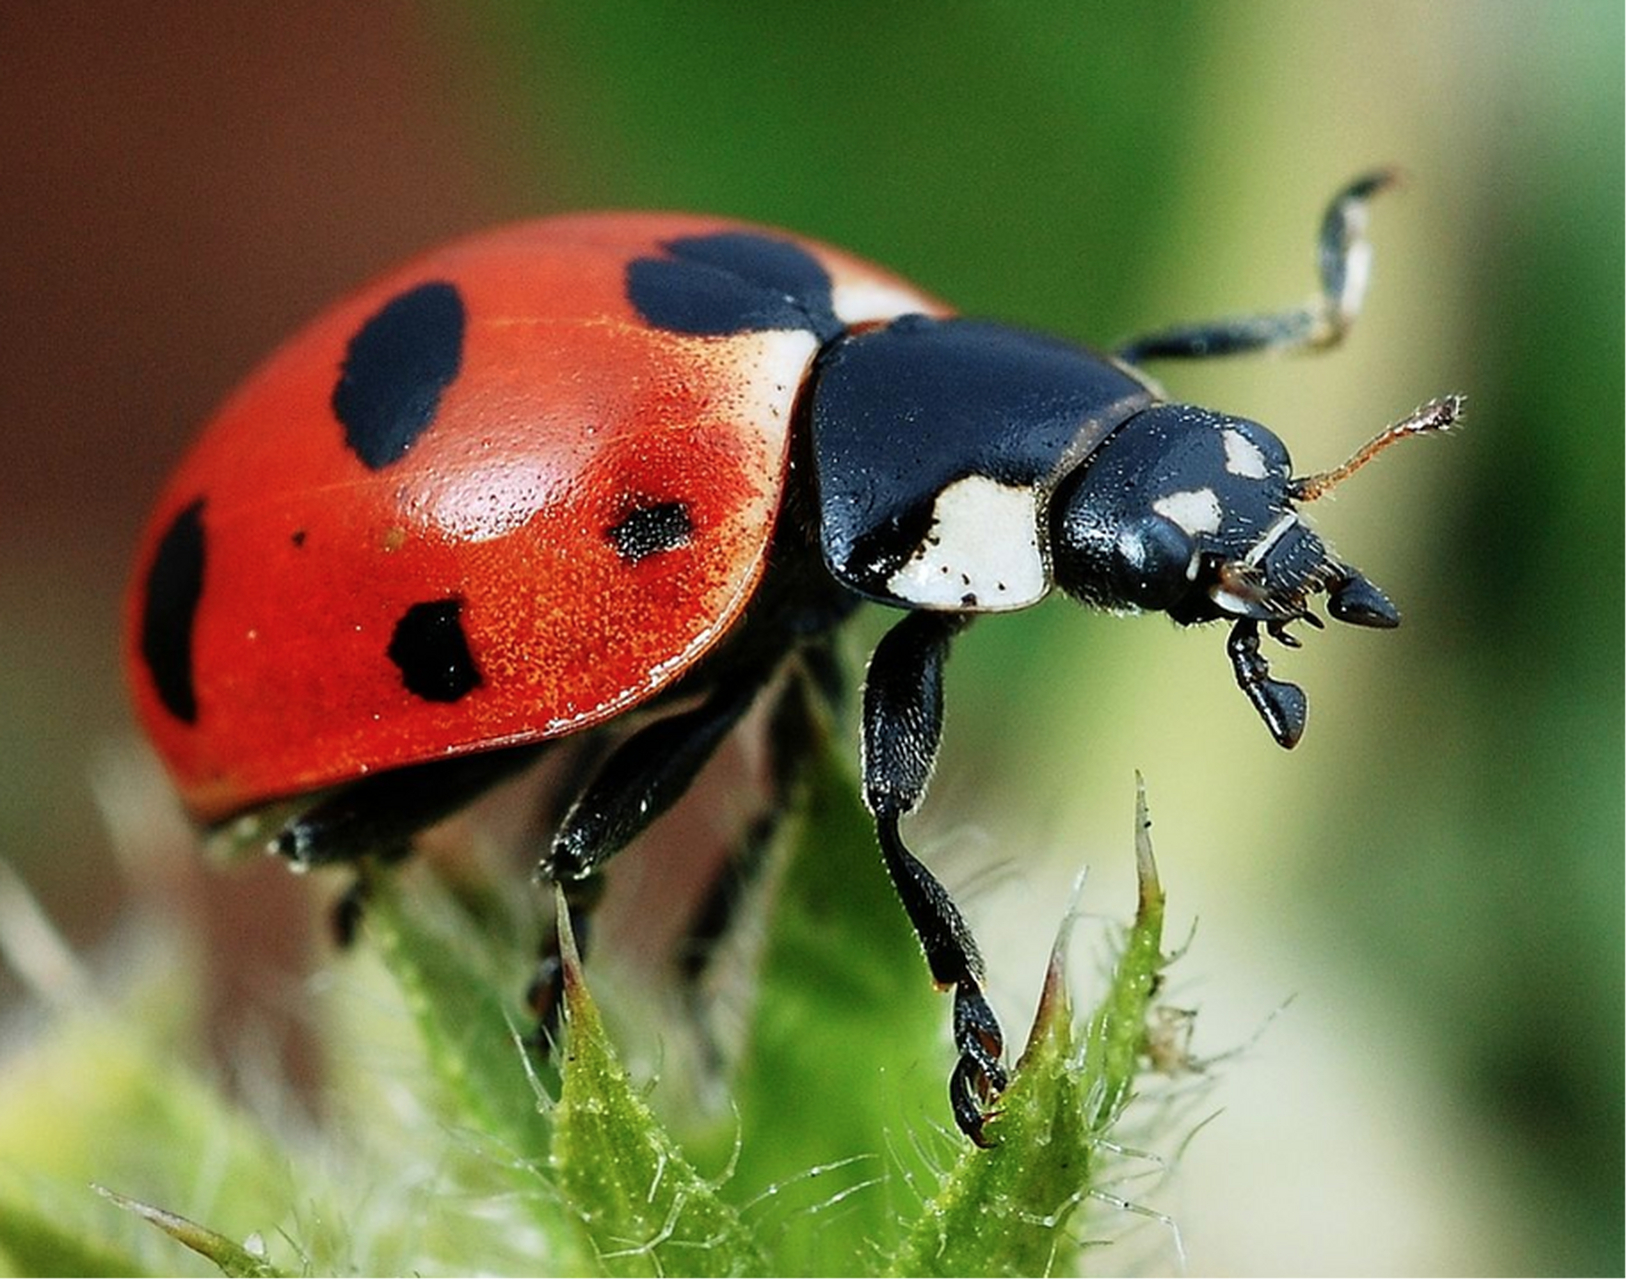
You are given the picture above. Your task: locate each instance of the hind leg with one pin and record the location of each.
(376, 820)
(796, 728)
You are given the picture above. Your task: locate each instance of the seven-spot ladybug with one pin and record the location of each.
(547, 475)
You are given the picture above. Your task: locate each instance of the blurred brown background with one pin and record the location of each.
(1436, 873)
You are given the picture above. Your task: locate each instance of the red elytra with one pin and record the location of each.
(568, 412)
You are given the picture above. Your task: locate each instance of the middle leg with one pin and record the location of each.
(632, 787)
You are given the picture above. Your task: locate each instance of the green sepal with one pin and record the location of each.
(1013, 1209)
(643, 1204)
(232, 1258)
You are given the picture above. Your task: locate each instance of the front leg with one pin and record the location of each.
(903, 722)
(1343, 257)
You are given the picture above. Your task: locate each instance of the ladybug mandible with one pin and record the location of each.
(547, 475)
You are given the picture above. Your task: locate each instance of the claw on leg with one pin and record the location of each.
(1280, 704)
(979, 1076)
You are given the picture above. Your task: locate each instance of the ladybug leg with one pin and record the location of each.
(1343, 257)
(1280, 704)
(385, 811)
(345, 918)
(795, 730)
(903, 722)
(643, 777)
(373, 822)
(638, 782)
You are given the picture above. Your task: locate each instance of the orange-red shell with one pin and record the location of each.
(569, 410)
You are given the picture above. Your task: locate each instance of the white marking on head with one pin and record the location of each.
(1243, 456)
(1194, 510)
(1231, 603)
(981, 551)
(1240, 605)
(1270, 538)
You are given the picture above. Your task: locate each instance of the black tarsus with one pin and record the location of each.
(1280, 704)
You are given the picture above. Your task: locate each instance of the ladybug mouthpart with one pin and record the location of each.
(1277, 577)
(1358, 602)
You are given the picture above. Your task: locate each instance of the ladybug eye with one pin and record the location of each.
(1154, 562)
(1117, 559)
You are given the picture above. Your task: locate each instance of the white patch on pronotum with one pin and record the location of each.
(981, 551)
(859, 301)
(1194, 510)
(1243, 456)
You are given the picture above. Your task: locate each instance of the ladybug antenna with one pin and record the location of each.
(1437, 415)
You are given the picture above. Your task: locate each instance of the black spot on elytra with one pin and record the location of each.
(732, 282)
(297, 537)
(169, 608)
(395, 370)
(432, 652)
(645, 531)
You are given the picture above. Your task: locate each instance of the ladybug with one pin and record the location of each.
(624, 475)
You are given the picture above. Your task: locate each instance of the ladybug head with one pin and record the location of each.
(1194, 513)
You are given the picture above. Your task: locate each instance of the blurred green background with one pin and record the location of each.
(1435, 874)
